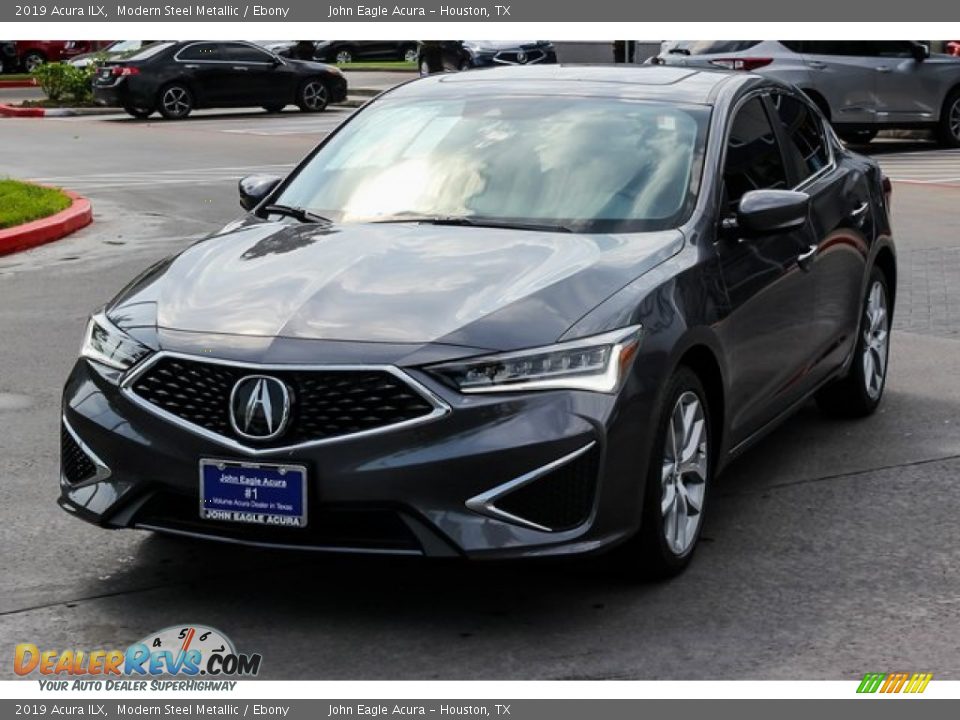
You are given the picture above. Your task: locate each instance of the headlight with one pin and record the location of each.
(596, 363)
(108, 345)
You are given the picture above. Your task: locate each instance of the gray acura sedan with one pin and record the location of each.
(519, 313)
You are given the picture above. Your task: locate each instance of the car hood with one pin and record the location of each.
(390, 283)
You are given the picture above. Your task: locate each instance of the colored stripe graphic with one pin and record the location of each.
(894, 682)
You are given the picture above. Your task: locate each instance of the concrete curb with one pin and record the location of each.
(48, 229)
(15, 111)
(18, 83)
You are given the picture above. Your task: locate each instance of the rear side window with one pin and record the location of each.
(806, 142)
(753, 155)
(710, 47)
(238, 52)
(199, 51)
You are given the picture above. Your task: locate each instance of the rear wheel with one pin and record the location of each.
(139, 113)
(858, 393)
(313, 96)
(677, 484)
(344, 56)
(176, 102)
(409, 53)
(948, 131)
(32, 60)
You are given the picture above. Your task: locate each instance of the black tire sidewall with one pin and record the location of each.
(856, 371)
(656, 556)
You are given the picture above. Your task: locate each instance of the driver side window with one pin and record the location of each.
(754, 161)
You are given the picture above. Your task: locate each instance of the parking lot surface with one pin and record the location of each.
(830, 550)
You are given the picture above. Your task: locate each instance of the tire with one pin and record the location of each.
(139, 113)
(32, 60)
(274, 108)
(344, 56)
(409, 53)
(858, 137)
(859, 392)
(313, 96)
(175, 101)
(664, 547)
(465, 65)
(948, 130)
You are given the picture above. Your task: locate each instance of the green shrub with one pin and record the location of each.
(61, 81)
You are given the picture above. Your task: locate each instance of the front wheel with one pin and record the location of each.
(176, 102)
(858, 393)
(948, 131)
(344, 56)
(410, 54)
(678, 479)
(313, 96)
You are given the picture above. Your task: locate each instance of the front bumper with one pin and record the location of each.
(451, 486)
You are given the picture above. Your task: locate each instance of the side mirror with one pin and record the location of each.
(254, 188)
(765, 212)
(919, 51)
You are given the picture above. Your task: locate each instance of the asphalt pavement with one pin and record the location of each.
(830, 550)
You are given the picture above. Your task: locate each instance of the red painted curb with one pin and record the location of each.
(18, 83)
(11, 111)
(48, 229)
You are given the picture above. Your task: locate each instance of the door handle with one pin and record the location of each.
(883, 69)
(192, 67)
(804, 259)
(240, 67)
(817, 65)
(859, 211)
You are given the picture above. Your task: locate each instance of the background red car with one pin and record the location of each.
(33, 53)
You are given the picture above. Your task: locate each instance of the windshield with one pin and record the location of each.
(587, 164)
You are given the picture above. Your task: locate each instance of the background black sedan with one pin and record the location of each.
(173, 78)
(456, 55)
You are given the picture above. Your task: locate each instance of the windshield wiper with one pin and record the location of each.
(298, 213)
(466, 221)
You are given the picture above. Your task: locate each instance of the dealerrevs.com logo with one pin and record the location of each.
(898, 682)
(180, 650)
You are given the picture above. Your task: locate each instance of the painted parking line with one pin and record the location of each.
(923, 167)
(182, 176)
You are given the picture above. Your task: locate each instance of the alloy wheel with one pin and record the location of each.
(410, 55)
(684, 473)
(176, 101)
(315, 95)
(344, 56)
(875, 340)
(32, 62)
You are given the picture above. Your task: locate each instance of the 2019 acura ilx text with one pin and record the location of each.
(529, 317)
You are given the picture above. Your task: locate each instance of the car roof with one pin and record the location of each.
(635, 82)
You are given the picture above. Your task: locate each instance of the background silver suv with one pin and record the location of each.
(861, 86)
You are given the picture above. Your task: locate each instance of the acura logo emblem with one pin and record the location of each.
(259, 407)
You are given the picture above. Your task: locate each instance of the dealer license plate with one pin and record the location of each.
(253, 493)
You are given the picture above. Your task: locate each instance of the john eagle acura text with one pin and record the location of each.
(512, 313)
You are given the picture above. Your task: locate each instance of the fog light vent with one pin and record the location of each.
(75, 464)
(558, 500)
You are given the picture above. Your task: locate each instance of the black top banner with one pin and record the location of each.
(482, 11)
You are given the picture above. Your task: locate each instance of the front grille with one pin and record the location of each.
(343, 528)
(75, 464)
(512, 57)
(324, 403)
(559, 500)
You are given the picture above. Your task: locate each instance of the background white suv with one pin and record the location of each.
(862, 86)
